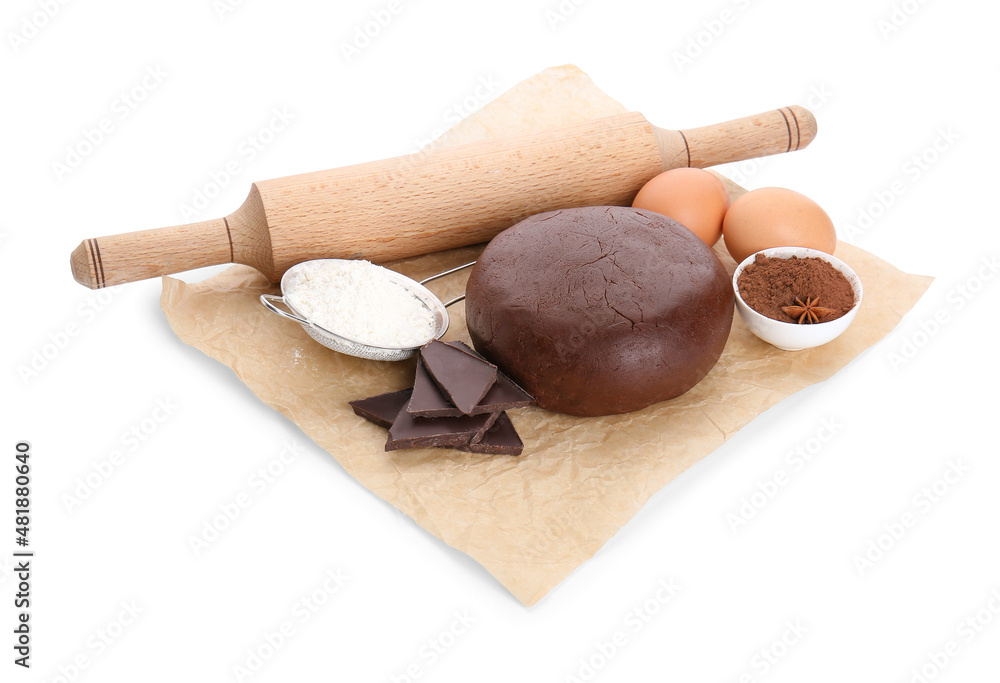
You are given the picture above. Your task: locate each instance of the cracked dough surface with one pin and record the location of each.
(600, 310)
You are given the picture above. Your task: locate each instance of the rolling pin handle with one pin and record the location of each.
(773, 132)
(113, 260)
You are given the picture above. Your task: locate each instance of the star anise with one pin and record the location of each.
(808, 312)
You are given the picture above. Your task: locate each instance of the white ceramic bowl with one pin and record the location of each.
(792, 336)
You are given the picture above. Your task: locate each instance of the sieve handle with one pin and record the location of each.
(268, 299)
(449, 272)
(432, 278)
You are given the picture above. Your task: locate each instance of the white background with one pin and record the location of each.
(886, 96)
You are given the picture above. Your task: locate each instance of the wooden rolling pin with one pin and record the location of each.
(430, 201)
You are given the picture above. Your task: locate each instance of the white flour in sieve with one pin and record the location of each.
(355, 300)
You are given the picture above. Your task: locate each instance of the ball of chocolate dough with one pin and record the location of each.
(600, 310)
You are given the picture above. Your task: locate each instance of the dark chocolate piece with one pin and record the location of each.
(382, 409)
(465, 347)
(428, 401)
(462, 378)
(410, 431)
(501, 439)
(491, 418)
(503, 395)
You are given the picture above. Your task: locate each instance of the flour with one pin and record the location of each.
(355, 300)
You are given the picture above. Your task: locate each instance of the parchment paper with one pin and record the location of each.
(529, 520)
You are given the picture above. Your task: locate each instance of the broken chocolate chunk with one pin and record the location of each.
(382, 409)
(463, 378)
(428, 401)
(465, 347)
(503, 395)
(439, 410)
(491, 419)
(410, 431)
(501, 439)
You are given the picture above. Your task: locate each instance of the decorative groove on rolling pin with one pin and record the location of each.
(789, 127)
(686, 147)
(93, 262)
(798, 133)
(95, 257)
(230, 236)
(100, 263)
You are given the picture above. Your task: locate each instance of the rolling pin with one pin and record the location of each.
(435, 200)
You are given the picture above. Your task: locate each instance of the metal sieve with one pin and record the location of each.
(352, 347)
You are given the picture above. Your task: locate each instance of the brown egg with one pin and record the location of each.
(691, 196)
(776, 217)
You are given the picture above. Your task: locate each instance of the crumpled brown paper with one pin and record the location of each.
(529, 520)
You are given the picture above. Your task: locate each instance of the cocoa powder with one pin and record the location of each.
(767, 284)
